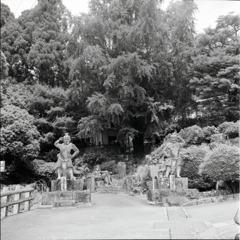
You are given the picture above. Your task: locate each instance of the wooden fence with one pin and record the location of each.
(16, 199)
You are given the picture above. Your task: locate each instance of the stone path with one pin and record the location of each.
(111, 216)
(180, 226)
(120, 216)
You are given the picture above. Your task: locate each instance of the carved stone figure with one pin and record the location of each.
(102, 175)
(64, 166)
(171, 151)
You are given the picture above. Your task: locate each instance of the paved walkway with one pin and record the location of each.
(220, 218)
(115, 216)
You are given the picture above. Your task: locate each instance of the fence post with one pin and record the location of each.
(27, 204)
(4, 200)
(16, 208)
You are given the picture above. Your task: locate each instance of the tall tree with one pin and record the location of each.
(14, 46)
(123, 44)
(46, 28)
(216, 72)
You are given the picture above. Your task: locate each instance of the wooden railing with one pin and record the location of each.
(17, 201)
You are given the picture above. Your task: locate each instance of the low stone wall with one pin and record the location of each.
(222, 198)
(172, 197)
(48, 198)
(185, 197)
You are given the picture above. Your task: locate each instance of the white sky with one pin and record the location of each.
(207, 14)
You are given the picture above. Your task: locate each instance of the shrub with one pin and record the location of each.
(230, 129)
(222, 164)
(18, 134)
(43, 168)
(208, 132)
(192, 135)
(94, 157)
(192, 158)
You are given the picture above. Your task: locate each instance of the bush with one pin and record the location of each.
(18, 134)
(230, 129)
(192, 157)
(222, 164)
(208, 132)
(192, 135)
(94, 157)
(43, 168)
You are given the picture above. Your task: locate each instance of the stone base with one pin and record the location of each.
(171, 197)
(49, 198)
(173, 183)
(72, 185)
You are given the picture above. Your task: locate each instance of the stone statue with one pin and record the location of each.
(102, 175)
(64, 166)
(172, 152)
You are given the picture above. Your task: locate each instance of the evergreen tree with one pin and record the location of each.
(124, 51)
(216, 72)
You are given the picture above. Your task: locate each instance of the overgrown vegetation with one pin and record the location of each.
(127, 65)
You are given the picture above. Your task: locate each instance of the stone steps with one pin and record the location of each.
(64, 203)
(110, 189)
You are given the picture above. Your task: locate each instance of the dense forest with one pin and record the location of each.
(127, 65)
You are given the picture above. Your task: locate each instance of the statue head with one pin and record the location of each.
(174, 137)
(66, 139)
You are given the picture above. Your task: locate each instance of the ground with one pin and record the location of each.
(119, 216)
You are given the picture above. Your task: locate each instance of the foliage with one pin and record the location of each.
(221, 164)
(43, 168)
(93, 158)
(192, 157)
(230, 129)
(192, 135)
(128, 54)
(215, 83)
(18, 134)
(3, 66)
(208, 132)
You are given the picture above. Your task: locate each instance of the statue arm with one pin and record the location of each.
(164, 150)
(181, 140)
(76, 150)
(57, 144)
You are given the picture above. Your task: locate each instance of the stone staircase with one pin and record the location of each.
(114, 188)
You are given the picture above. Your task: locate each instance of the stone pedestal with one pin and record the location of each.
(173, 183)
(91, 184)
(72, 185)
(151, 186)
(172, 191)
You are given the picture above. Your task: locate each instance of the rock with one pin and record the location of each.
(143, 172)
(121, 169)
(115, 169)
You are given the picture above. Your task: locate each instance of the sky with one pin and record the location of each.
(206, 15)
